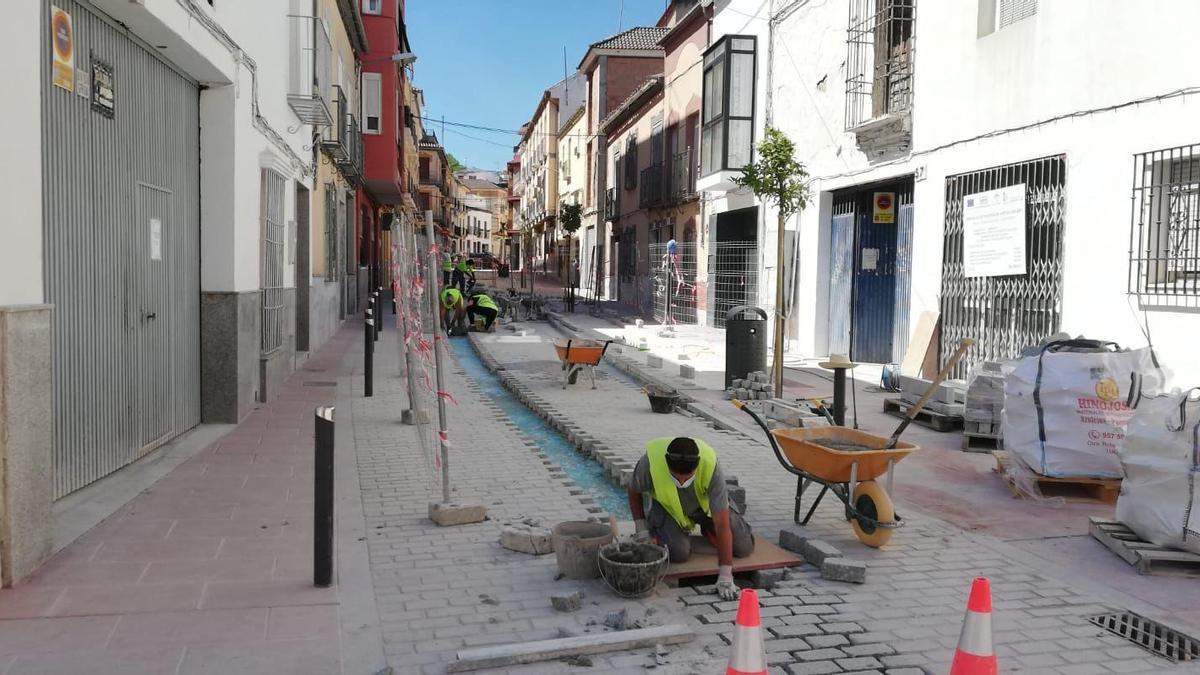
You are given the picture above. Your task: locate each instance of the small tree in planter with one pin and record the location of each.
(777, 178)
(571, 218)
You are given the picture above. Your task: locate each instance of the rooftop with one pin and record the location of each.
(638, 37)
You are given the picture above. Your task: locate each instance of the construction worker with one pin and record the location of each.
(464, 269)
(447, 268)
(687, 488)
(453, 308)
(482, 304)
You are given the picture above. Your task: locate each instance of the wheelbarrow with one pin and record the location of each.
(849, 474)
(576, 355)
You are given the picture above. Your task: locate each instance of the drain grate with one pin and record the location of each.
(320, 384)
(1149, 635)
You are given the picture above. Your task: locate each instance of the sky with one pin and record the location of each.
(487, 62)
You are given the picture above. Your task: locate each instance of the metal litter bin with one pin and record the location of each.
(745, 342)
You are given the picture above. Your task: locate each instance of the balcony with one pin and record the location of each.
(681, 185)
(651, 184)
(612, 204)
(434, 181)
(310, 79)
(352, 166)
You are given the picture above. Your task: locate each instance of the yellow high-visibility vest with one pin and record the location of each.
(666, 492)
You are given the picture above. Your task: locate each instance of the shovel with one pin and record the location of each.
(963, 345)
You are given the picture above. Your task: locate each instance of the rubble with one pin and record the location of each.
(567, 602)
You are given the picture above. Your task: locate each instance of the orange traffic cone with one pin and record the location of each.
(749, 656)
(975, 655)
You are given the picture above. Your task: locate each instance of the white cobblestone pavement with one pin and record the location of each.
(440, 590)
(906, 618)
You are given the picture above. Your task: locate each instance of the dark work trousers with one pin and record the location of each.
(488, 314)
(668, 533)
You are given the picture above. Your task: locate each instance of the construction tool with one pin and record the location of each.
(963, 345)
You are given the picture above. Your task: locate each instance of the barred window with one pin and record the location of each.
(272, 274)
(331, 232)
(879, 60)
(1165, 233)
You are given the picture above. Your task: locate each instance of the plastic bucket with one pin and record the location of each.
(662, 400)
(577, 546)
(632, 570)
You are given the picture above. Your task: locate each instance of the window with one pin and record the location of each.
(1165, 233)
(879, 60)
(727, 136)
(372, 103)
(272, 276)
(331, 232)
(372, 6)
(996, 14)
(631, 161)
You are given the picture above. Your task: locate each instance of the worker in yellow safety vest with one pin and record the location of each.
(465, 268)
(453, 307)
(685, 486)
(447, 268)
(483, 305)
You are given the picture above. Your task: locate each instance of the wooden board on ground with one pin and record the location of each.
(1145, 557)
(499, 656)
(925, 417)
(918, 344)
(1078, 488)
(703, 560)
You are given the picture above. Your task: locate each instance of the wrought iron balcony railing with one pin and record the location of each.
(651, 184)
(682, 179)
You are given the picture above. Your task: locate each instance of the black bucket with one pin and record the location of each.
(662, 400)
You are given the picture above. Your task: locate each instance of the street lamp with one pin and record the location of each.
(401, 58)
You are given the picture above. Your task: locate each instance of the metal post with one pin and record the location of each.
(439, 372)
(373, 303)
(839, 396)
(369, 354)
(323, 498)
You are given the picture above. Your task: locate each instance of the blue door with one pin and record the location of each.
(874, 290)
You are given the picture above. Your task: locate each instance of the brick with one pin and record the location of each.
(446, 515)
(820, 654)
(788, 645)
(567, 602)
(687, 372)
(878, 649)
(813, 668)
(846, 627)
(523, 538)
(844, 569)
(797, 630)
(823, 641)
(859, 663)
(764, 579)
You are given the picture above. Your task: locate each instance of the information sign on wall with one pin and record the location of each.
(885, 208)
(62, 44)
(994, 232)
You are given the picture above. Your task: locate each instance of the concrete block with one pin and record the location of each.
(792, 541)
(761, 395)
(447, 515)
(626, 477)
(737, 383)
(567, 602)
(682, 357)
(817, 551)
(844, 569)
(767, 579)
(414, 417)
(728, 394)
(654, 361)
(529, 539)
(687, 372)
(639, 323)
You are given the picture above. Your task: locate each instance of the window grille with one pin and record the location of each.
(879, 60)
(272, 260)
(1012, 11)
(331, 232)
(1164, 247)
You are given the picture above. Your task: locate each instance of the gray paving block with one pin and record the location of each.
(844, 569)
(567, 602)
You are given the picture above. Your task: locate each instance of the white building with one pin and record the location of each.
(159, 166)
(902, 110)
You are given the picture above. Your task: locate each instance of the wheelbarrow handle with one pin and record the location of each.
(741, 405)
(963, 345)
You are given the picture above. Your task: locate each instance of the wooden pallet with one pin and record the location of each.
(1145, 557)
(1074, 488)
(986, 443)
(925, 417)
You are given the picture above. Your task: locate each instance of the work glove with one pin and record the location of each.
(726, 589)
(641, 534)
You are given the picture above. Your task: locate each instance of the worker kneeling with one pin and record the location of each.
(686, 488)
(482, 305)
(453, 309)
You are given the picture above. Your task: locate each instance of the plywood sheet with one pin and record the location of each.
(918, 344)
(703, 561)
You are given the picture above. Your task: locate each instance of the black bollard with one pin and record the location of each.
(323, 498)
(369, 355)
(839, 396)
(378, 305)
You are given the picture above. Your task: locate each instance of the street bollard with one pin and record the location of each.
(323, 498)
(369, 355)
(371, 306)
(379, 311)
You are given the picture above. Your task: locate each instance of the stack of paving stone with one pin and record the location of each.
(736, 493)
(949, 399)
(755, 386)
(985, 397)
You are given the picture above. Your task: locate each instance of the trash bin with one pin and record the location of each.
(745, 342)
(502, 271)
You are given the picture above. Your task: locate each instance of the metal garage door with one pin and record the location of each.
(122, 234)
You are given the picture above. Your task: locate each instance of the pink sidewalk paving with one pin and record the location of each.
(207, 571)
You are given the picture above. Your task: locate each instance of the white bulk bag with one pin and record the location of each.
(1161, 457)
(1065, 409)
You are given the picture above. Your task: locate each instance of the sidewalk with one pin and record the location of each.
(910, 610)
(208, 571)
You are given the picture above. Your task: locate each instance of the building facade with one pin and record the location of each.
(1106, 240)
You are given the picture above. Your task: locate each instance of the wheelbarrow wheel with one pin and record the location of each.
(871, 502)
